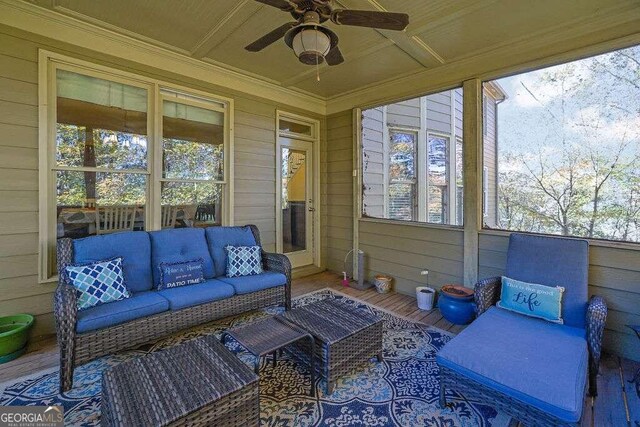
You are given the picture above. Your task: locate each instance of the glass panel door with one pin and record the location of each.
(296, 201)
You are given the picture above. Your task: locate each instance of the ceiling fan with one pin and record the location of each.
(314, 43)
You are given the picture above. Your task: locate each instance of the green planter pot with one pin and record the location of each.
(14, 332)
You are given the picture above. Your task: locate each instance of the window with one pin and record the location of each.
(565, 159)
(402, 174)
(412, 159)
(101, 148)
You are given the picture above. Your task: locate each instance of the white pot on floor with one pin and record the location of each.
(425, 296)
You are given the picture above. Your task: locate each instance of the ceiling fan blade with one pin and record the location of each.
(280, 4)
(271, 37)
(371, 19)
(334, 57)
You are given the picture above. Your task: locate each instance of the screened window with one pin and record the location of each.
(563, 149)
(402, 174)
(412, 160)
(103, 177)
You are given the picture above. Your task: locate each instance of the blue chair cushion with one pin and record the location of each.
(202, 293)
(553, 261)
(540, 363)
(220, 237)
(133, 247)
(258, 282)
(179, 244)
(140, 304)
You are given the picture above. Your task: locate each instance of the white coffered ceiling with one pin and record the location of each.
(441, 32)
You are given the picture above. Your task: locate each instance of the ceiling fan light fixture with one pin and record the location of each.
(311, 44)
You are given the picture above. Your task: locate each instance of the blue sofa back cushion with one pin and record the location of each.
(243, 260)
(133, 247)
(181, 273)
(530, 299)
(98, 282)
(220, 237)
(553, 261)
(177, 245)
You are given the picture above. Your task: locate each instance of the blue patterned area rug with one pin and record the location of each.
(402, 390)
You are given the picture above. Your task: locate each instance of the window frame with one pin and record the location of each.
(48, 64)
(446, 190)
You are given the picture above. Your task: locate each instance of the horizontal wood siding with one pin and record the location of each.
(614, 273)
(373, 162)
(490, 161)
(337, 190)
(20, 291)
(403, 251)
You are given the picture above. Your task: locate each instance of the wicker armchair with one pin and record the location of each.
(79, 348)
(550, 261)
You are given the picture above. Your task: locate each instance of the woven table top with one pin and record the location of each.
(331, 320)
(267, 335)
(164, 386)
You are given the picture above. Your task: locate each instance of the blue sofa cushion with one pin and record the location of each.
(537, 362)
(258, 282)
(98, 282)
(531, 299)
(202, 293)
(220, 237)
(133, 247)
(179, 244)
(553, 261)
(140, 304)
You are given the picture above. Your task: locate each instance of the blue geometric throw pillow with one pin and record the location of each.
(98, 282)
(243, 260)
(181, 273)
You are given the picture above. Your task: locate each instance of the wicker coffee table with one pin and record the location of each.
(345, 336)
(271, 335)
(199, 383)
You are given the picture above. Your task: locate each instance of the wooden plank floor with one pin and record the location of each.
(617, 403)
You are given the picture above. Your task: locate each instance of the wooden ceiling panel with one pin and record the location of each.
(506, 21)
(352, 74)
(176, 23)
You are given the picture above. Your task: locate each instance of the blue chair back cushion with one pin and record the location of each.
(98, 282)
(553, 261)
(530, 299)
(178, 245)
(218, 238)
(133, 247)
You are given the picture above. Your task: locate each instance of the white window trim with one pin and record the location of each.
(447, 206)
(48, 63)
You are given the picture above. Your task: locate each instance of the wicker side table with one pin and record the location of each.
(198, 383)
(345, 336)
(271, 335)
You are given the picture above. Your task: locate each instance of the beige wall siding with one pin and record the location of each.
(402, 251)
(337, 190)
(20, 291)
(490, 161)
(373, 184)
(613, 273)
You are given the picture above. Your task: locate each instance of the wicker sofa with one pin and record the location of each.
(151, 314)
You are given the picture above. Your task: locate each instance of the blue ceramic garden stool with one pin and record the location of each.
(456, 304)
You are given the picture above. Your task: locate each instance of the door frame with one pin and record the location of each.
(314, 138)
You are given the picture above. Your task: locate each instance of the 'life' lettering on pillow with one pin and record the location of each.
(529, 300)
